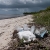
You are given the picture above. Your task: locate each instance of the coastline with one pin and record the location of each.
(7, 27)
(9, 16)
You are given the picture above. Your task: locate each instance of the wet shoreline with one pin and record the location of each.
(9, 16)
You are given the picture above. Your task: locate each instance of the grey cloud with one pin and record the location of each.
(28, 4)
(20, 6)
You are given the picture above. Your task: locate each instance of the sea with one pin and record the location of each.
(9, 13)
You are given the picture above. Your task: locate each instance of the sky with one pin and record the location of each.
(20, 6)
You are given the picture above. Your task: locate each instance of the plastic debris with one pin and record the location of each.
(26, 28)
(42, 29)
(41, 32)
(32, 29)
(18, 28)
(37, 31)
(26, 36)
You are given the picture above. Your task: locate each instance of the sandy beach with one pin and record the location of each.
(7, 27)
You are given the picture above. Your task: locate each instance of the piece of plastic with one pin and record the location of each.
(42, 29)
(37, 31)
(27, 34)
(41, 32)
(26, 28)
(18, 28)
(32, 29)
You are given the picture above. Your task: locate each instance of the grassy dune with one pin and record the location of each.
(43, 18)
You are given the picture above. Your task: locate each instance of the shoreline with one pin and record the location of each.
(9, 16)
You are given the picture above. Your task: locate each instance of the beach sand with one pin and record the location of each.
(7, 27)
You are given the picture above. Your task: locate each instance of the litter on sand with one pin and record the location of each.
(28, 34)
(41, 32)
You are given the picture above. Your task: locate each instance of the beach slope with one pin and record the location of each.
(7, 27)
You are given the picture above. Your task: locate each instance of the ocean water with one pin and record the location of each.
(8, 13)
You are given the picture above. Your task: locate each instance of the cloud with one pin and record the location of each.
(24, 3)
(31, 1)
(6, 2)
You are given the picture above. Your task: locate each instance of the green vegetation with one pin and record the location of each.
(27, 13)
(43, 18)
(46, 10)
(20, 42)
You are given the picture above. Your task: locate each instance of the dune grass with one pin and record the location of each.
(43, 19)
